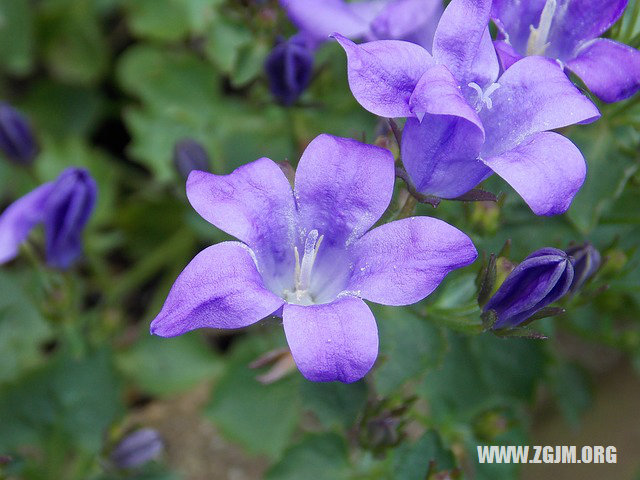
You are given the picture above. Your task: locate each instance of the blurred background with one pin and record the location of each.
(141, 91)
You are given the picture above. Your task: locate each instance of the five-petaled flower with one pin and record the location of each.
(568, 31)
(64, 206)
(464, 122)
(307, 255)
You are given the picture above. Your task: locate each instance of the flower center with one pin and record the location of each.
(537, 44)
(302, 273)
(484, 97)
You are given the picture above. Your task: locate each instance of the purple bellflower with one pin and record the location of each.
(17, 142)
(587, 261)
(137, 448)
(63, 206)
(188, 155)
(466, 123)
(411, 20)
(568, 31)
(307, 255)
(289, 68)
(542, 278)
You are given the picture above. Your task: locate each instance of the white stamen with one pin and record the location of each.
(537, 44)
(303, 269)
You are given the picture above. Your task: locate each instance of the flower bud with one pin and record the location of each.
(289, 67)
(137, 448)
(586, 262)
(188, 155)
(17, 142)
(542, 278)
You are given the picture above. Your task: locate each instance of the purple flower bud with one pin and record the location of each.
(542, 278)
(289, 67)
(586, 262)
(188, 155)
(137, 448)
(16, 137)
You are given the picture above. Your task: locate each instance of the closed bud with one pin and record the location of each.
(137, 449)
(289, 67)
(542, 278)
(189, 155)
(586, 261)
(17, 142)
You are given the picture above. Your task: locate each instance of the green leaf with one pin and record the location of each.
(411, 461)
(260, 417)
(22, 330)
(317, 457)
(334, 404)
(572, 391)
(163, 366)
(224, 41)
(16, 36)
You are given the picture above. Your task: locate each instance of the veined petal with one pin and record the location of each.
(440, 155)
(534, 96)
(610, 69)
(408, 20)
(255, 204)
(333, 341)
(19, 218)
(402, 262)
(506, 54)
(514, 20)
(220, 288)
(342, 188)
(546, 169)
(383, 74)
(461, 37)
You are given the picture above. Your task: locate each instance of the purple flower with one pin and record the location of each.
(64, 206)
(464, 122)
(16, 137)
(542, 278)
(568, 31)
(137, 448)
(411, 20)
(307, 255)
(189, 155)
(289, 67)
(586, 263)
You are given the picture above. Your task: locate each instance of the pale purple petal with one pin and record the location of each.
(402, 262)
(546, 169)
(383, 74)
(459, 38)
(255, 204)
(610, 69)
(506, 54)
(534, 96)
(19, 218)
(412, 20)
(514, 18)
(220, 288)
(342, 187)
(440, 155)
(332, 341)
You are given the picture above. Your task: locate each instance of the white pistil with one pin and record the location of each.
(537, 44)
(484, 97)
(303, 269)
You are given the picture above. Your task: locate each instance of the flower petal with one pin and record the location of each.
(462, 42)
(610, 69)
(534, 96)
(342, 188)
(506, 54)
(402, 262)
(546, 169)
(440, 155)
(514, 20)
(220, 288)
(332, 341)
(383, 74)
(19, 218)
(412, 20)
(254, 204)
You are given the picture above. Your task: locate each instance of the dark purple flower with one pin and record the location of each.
(63, 206)
(188, 155)
(411, 20)
(16, 137)
(542, 278)
(464, 122)
(586, 261)
(289, 68)
(568, 31)
(307, 255)
(137, 448)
